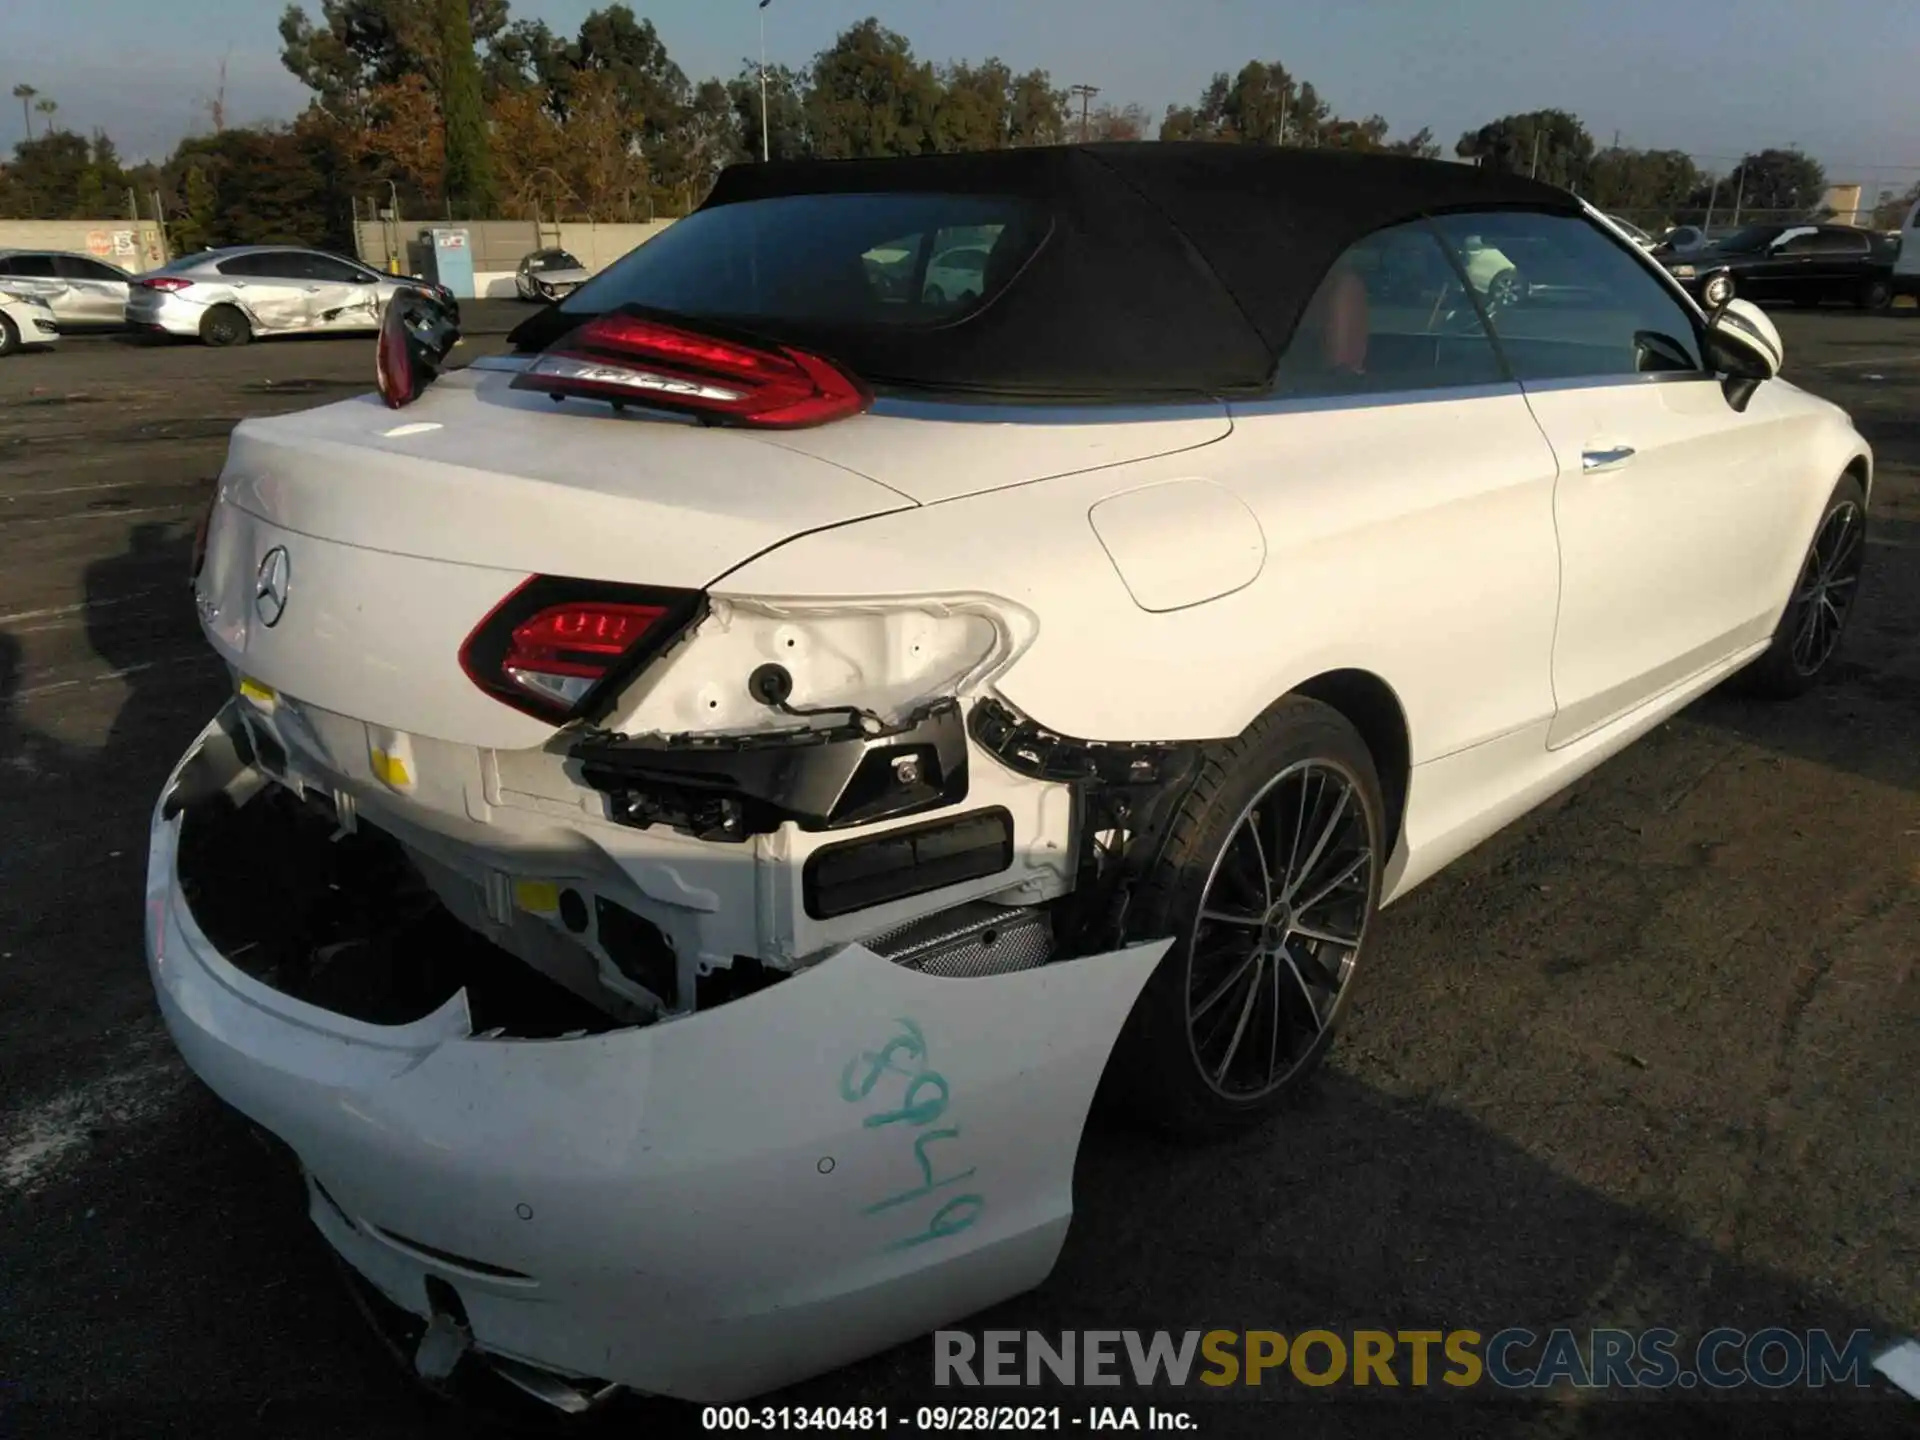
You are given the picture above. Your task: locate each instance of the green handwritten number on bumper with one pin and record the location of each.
(923, 1101)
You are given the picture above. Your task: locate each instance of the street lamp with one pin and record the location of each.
(765, 153)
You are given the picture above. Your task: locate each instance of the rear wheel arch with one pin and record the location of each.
(1371, 706)
(1860, 469)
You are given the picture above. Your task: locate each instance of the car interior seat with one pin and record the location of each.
(1346, 323)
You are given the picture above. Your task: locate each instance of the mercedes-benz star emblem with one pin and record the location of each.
(270, 586)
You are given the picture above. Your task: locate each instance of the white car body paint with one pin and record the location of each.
(1180, 543)
(703, 1208)
(934, 452)
(1530, 613)
(31, 318)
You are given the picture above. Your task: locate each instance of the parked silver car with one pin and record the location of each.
(549, 275)
(81, 291)
(227, 297)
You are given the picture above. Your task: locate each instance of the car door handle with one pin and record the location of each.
(1609, 459)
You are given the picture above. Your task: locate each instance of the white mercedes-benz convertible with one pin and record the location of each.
(706, 797)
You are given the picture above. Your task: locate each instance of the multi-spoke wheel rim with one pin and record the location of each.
(1824, 595)
(1279, 927)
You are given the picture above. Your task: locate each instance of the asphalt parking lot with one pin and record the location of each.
(1647, 1058)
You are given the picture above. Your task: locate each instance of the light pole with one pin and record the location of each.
(765, 152)
(1086, 93)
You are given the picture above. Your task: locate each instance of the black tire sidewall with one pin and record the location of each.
(9, 335)
(1156, 1067)
(1774, 675)
(223, 326)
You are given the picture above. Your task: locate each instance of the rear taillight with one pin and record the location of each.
(631, 358)
(550, 645)
(392, 366)
(163, 282)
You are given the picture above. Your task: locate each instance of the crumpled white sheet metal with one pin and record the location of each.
(706, 1208)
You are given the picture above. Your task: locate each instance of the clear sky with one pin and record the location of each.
(1840, 78)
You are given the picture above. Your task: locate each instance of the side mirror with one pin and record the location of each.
(1743, 344)
(416, 334)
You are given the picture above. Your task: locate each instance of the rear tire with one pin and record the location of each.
(224, 325)
(1826, 590)
(1269, 881)
(1877, 295)
(9, 336)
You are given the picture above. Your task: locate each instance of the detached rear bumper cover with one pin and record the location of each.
(706, 1208)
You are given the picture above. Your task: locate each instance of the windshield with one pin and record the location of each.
(1749, 237)
(556, 260)
(845, 261)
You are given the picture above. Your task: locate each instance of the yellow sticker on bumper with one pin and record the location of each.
(538, 897)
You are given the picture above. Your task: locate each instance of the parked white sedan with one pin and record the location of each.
(706, 797)
(26, 321)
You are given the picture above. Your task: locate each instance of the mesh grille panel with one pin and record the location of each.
(970, 942)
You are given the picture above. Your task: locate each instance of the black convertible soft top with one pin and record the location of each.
(1165, 268)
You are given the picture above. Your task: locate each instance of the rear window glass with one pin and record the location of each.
(839, 260)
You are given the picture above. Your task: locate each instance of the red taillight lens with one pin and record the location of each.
(392, 365)
(641, 361)
(547, 646)
(563, 651)
(163, 282)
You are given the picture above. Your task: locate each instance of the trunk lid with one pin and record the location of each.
(936, 451)
(480, 474)
(401, 530)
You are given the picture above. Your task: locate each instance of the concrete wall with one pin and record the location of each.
(133, 245)
(499, 244)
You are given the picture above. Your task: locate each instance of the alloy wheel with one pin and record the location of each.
(1825, 593)
(1279, 928)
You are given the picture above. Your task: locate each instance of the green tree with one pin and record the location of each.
(469, 173)
(1646, 185)
(651, 87)
(868, 96)
(787, 137)
(704, 142)
(362, 44)
(1550, 145)
(988, 107)
(528, 55)
(195, 227)
(1785, 182)
(1420, 145)
(1266, 104)
(63, 176)
(269, 186)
